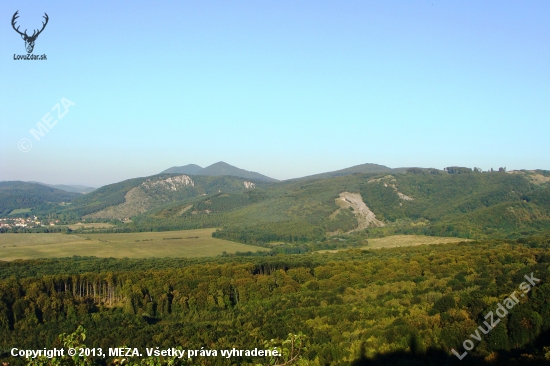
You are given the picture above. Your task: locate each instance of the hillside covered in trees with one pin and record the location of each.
(458, 202)
(23, 195)
(421, 201)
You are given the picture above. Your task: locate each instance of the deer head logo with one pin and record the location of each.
(29, 40)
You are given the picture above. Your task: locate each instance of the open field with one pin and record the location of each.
(92, 225)
(184, 243)
(409, 241)
(404, 241)
(20, 211)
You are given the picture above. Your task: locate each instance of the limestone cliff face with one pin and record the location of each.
(172, 183)
(138, 199)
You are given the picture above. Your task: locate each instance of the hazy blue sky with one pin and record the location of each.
(285, 88)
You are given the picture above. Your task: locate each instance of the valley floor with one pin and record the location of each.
(183, 243)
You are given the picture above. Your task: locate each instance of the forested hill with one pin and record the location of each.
(470, 205)
(456, 202)
(362, 168)
(218, 169)
(136, 196)
(22, 195)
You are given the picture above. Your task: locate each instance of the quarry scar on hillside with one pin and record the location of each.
(365, 217)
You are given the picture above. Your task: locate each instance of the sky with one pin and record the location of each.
(284, 88)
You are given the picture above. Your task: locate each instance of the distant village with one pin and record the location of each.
(28, 222)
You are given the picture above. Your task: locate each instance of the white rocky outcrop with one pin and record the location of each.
(172, 183)
(365, 217)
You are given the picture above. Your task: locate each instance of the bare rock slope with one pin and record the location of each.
(365, 217)
(138, 199)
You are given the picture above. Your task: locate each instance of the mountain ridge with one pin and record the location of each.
(217, 169)
(21, 195)
(73, 188)
(361, 168)
(221, 168)
(456, 202)
(190, 169)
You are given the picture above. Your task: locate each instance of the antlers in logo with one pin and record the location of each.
(29, 40)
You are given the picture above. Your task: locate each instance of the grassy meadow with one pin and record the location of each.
(20, 211)
(409, 241)
(394, 241)
(183, 243)
(93, 225)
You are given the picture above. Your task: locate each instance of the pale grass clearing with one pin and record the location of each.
(91, 225)
(409, 241)
(20, 211)
(396, 241)
(175, 244)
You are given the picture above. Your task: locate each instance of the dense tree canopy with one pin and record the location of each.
(346, 304)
